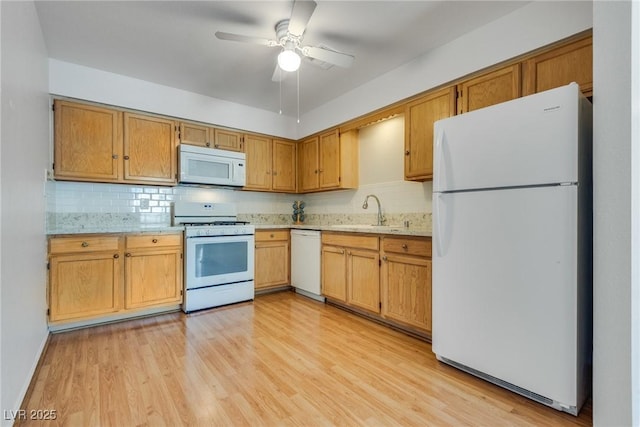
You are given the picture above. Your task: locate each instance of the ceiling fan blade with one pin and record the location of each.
(278, 74)
(300, 15)
(331, 56)
(245, 39)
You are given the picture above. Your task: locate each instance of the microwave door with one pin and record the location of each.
(200, 170)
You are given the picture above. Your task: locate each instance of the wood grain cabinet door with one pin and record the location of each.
(489, 89)
(561, 66)
(284, 166)
(87, 142)
(258, 156)
(420, 115)
(271, 264)
(406, 290)
(329, 160)
(84, 285)
(153, 278)
(227, 140)
(149, 149)
(195, 134)
(308, 164)
(363, 281)
(334, 273)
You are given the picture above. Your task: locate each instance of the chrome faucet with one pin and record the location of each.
(365, 205)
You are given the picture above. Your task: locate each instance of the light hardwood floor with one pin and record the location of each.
(281, 360)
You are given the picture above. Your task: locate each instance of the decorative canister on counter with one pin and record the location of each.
(298, 212)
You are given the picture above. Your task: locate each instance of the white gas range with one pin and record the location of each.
(219, 255)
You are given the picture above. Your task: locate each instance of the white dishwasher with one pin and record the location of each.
(305, 263)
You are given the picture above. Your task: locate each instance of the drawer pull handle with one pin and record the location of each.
(85, 244)
(404, 246)
(116, 256)
(155, 241)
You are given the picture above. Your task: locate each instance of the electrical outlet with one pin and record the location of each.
(144, 203)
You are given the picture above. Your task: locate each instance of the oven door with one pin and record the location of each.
(218, 260)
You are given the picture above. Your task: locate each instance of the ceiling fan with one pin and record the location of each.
(289, 35)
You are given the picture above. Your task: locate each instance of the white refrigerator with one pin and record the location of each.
(512, 233)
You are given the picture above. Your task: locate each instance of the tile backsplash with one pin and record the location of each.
(88, 203)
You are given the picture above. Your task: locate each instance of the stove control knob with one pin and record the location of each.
(236, 231)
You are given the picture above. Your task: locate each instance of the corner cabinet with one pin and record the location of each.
(100, 144)
(271, 164)
(272, 265)
(420, 115)
(109, 276)
(328, 161)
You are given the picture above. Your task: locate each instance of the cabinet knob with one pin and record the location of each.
(215, 145)
(342, 251)
(116, 256)
(126, 157)
(384, 258)
(154, 241)
(404, 246)
(406, 153)
(268, 173)
(320, 170)
(275, 173)
(271, 235)
(115, 157)
(85, 244)
(208, 144)
(128, 254)
(349, 253)
(315, 171)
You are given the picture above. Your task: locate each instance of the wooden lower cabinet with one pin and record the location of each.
(272, 259)
(153, 270)
(386, 277)
(350, 270)
(92, 276)
(406, 281)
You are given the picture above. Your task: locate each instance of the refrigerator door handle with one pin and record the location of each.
(438, 223)
(438, 176)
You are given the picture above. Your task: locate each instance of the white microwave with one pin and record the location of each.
(201, 165)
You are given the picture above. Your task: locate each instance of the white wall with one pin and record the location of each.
(527, 28)
(616, 394)
(25, 142)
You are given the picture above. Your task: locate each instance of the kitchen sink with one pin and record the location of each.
(368, 227)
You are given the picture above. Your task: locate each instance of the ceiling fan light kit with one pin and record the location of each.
(288, 59)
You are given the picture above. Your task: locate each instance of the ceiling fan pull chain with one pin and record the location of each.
(280, 78)
(298, 91)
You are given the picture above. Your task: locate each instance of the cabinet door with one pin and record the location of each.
(87, 142)
(308, 164)
(329, 160)
(258, 152)
(150, 153)
(561, 66)
(194, 134)
(418, 142)
(489, 89)
(334, 273)
(363, 281)
(406, 290)
(271, 264)
(153, 278)
(227, 140)
(84, 285)
(284, 165)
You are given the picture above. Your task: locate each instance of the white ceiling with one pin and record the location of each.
(172, 42)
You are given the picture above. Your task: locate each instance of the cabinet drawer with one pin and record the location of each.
(351, 240)
(81, 244)
(144, 241)
(403, 245)
(271, 235)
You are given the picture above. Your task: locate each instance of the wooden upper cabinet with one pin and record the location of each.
(284, 165)
(420, 115)
(558, 67)
(259, 170)
(227, 140)
(489, 89)
(196, 134)
(328, 161)
(149, 149)
(87, 142)
(308, 164)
